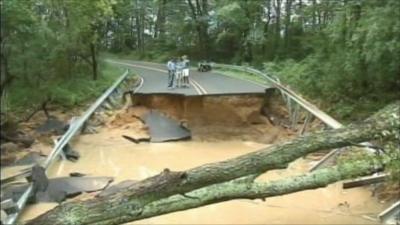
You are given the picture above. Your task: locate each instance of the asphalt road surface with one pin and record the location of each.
(154, 81)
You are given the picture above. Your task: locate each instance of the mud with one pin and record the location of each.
(330, 205)
(222, 128)
(42, 141)
(107, 154)
(216, 118)
(200, 110)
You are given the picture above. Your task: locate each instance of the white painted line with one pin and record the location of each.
(194, 83)
(199, 86)
(199, 89)
(140, 84)
(195, 87)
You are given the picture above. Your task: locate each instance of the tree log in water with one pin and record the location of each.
(229, 179)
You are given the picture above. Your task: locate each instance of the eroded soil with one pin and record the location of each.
(222, 128)
(217, 118)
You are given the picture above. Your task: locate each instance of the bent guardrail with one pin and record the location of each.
(294, 103)
(290, 97)
(289, 94)
(75, 126)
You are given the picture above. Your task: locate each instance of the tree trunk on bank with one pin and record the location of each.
(229, 179)
(277, 28)
(199, 11)
(161, 19)
(288, 8)
(94, 60)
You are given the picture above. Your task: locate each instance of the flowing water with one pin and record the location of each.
(108, 154)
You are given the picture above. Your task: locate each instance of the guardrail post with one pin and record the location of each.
(289, 107)
(306, 120)
(290, 95)
(295, 115)
(112, 101)
(75, 126)
(116, 92)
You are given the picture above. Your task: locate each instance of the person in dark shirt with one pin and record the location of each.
(171, 65)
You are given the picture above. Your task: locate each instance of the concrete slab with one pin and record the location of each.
(163, 129)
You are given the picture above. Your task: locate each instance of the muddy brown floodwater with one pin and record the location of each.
(106, 153)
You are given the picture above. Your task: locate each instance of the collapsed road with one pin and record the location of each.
(163, 127)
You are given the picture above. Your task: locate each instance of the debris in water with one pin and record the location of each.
(71, 154)
(52, 125)
(39, 179)
(136, 140)
(76, 174)
(30, 159)
(58, 189)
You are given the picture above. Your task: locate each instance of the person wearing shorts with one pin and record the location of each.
(179, 72)
(185, 70)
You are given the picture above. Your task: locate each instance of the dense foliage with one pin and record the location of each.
(345, 53)
(49, 50)
(355, 60)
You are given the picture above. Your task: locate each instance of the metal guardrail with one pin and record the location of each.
(75, 125)
(391, 215)
(290, 96)
(293, 101)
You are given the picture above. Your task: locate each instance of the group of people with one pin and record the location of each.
(178, 72)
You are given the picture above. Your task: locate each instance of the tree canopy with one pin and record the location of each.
(341, 51)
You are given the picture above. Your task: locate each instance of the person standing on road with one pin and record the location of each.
(185, 70)
(179, 77)
(171, 65)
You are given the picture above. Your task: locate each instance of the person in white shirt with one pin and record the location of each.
(185, 70)
(179, 72)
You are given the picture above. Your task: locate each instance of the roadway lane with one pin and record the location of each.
(154, 79)
(202, 83)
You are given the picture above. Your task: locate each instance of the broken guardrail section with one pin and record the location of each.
(294, 102)
(74, 128)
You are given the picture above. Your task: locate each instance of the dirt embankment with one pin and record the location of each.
(40, 130)
(210, 118)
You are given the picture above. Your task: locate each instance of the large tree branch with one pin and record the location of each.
(124, 206)
(246, 189)
(198, 7)
(192, 9)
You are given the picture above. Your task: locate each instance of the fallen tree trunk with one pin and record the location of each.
(245, 188)
(129, 204)
(241, 188)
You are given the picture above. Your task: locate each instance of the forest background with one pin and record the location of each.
(343, 55)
